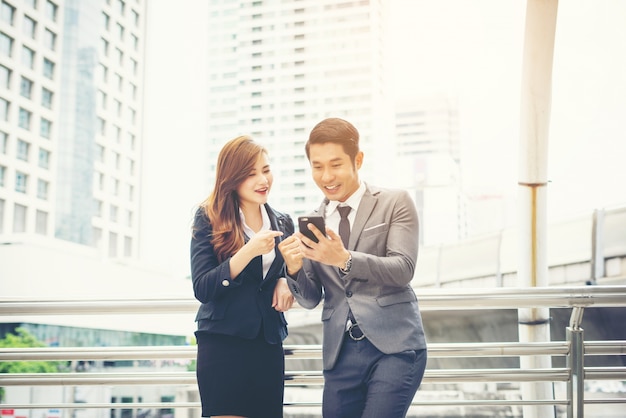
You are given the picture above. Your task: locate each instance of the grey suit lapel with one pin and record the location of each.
(367, 205)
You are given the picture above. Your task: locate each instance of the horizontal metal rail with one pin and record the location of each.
(577, 298)
(167, 405)
(298, 352)
(292, 378)
(430, 299)
(292, 352)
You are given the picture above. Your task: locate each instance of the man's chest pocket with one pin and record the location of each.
(374, 237)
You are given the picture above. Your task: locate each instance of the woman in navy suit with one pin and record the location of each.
(238, 276)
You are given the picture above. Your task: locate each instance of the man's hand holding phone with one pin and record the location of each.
(327, 248)
(317, 221)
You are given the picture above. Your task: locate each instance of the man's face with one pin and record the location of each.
(333, 171)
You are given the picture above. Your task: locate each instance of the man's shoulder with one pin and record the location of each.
(385, 191)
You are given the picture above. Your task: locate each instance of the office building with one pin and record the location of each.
(429, 165)
(70, 121)
(278, 68)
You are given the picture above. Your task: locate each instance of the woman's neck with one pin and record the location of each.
(253, 216)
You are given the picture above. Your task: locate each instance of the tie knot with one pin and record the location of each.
(344, 211)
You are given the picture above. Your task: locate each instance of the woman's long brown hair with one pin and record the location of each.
(234, 163)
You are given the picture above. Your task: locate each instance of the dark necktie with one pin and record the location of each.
(344, 233)
(344, 224)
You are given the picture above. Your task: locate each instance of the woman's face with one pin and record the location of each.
(256, 187)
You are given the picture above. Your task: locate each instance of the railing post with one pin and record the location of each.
(597, 246)
(576, 365)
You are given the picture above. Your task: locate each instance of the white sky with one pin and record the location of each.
(469, 50)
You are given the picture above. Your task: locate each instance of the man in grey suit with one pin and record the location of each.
(374, 348)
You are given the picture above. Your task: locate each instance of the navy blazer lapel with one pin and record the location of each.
(277, 224)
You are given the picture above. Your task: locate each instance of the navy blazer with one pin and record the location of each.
(239, 307)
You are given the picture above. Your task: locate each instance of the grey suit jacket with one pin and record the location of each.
(384, 244)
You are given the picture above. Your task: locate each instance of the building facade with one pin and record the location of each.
(276, 68)
(70, 121)
(429, 153)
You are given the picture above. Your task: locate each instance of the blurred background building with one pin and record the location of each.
(71, 79)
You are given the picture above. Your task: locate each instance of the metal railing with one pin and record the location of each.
(574, 348)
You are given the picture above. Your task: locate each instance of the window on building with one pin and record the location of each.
(131, 166)
(134, 66)
(51, 10)
(4, 110)
(29, 27)
(104, 47)
(120, 32)
(101, 97)
(119, 81)
(48, 68)
(45, 128)
(31, 3)
(133, 90)
(118, 107)
(113, 213)
(131, 193)
(50, 39)
(23, 150)
(26, 88)
(21, 182)
(5, 77)
(112, 244)
(28, 57)
(3, 174)
(46, 98)
(41, 222)
(1, 214)
(97, 237)
(129, 218)
(132, 116)
(42, 189)
(121, 7)
(102, 73)
(106, 20)
(115, 186)
(19, 218)
(100, 153)
(128, 246)
(6, 45)
(7, 13)
(24, 119)
(98, 207)
(135, 18)
(4, 141)
(118, 133)
(44, 158)
(103, 126)
(120, 56)
(135, 42)
(100, 181)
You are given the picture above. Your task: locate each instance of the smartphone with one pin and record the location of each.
(318, 221)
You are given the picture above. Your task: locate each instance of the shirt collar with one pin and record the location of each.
(353, 201)
(266, 222)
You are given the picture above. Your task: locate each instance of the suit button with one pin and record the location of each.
(225, 283)
(349, 294)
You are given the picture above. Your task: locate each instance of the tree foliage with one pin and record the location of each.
(22, 338)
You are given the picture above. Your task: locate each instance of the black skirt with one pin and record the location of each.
(237, 376)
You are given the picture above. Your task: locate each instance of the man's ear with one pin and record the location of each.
(358, 160)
